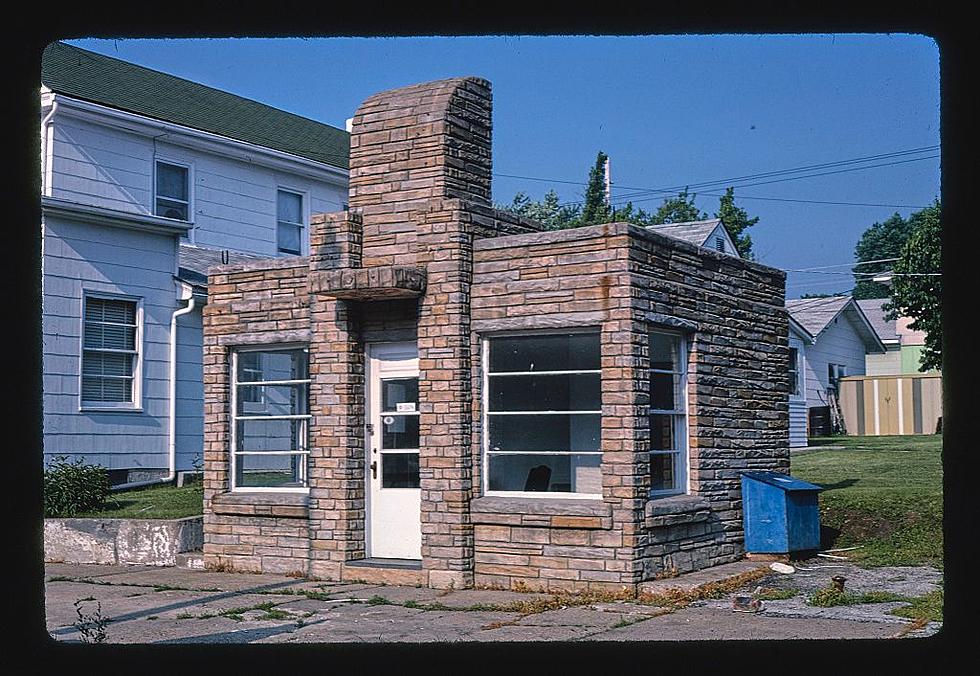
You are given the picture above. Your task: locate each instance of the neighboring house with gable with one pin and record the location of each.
(146, 179)
(903, 345)
(833, 335)
(709, 234)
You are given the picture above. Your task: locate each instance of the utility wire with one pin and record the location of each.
(841, 265)
(782, 172)
(783, 180)
(767, 174)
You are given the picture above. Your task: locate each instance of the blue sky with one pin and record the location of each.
(670, 111)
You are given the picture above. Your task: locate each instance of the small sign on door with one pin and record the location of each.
(405, 407)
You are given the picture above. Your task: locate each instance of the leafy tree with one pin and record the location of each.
(595, 208)
(678, 210)
(549, 211)
(736, 220)
(880, 241)
(917, 287)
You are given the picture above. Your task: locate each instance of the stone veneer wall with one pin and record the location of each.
(253, 303)
(738, 389)
(620, 279)
(420, 172)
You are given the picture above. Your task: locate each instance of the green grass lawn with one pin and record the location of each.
(155, 502)
(882, 493)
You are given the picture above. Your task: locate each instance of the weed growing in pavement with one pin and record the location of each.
(925, 608)
(91, 625)
(828, 597)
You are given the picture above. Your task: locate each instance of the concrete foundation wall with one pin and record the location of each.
(121, 541)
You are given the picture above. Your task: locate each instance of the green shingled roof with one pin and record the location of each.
(101, 79)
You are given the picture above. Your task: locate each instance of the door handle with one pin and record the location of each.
(374, 469)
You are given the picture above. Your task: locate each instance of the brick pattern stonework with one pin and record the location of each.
(420, 185)
(623, 280)
(249, 304)
(412, 145)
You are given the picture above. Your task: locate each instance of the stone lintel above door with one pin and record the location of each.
(384, 282)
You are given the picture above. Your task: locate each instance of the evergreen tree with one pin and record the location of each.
(736, 220)
(595, 208)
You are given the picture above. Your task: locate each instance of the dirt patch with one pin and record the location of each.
(859, 527)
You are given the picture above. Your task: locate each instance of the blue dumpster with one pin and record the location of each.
(780, 513)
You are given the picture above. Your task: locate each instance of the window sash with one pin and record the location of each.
(283, 243)
(678, 416)
(121, 317)
(489, 453)
(302, 452)
(172, 189)
(289, 232)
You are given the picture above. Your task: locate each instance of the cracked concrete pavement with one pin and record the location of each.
(175, 606)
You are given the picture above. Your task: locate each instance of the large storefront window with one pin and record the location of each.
(542, 414)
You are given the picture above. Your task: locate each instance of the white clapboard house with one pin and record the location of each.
(146, 180)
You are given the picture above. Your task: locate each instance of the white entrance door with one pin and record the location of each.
(394, 529)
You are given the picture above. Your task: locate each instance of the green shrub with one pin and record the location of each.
(73, 487)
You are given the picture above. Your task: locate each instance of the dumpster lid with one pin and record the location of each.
(784, 481)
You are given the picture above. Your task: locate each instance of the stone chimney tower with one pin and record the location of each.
(412, 145)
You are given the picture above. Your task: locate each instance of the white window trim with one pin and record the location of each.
(485, 429)
(682, 473)
(233, 418)
(158, 159)
(304, 234)
(800, 371)
(136, 405)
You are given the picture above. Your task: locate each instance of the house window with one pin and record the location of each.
(795, 382)
(542, 414)
(834, 373)
(720, 244)
(110, 352)
(270, 419)
(668, 413)
(289, 222)
(172, 191)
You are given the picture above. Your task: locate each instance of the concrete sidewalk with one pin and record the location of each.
(176, 605)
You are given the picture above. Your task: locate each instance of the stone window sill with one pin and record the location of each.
(542, 513)
(290, 505)
(675, 510)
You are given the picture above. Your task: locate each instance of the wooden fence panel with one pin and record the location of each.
(888, 405)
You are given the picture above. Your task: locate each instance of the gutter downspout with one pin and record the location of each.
(46, 150)
(186, 294)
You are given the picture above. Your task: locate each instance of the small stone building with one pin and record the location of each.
(445, 394)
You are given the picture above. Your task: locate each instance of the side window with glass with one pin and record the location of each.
(110, 352)
(668, 413)
(794, 371)
(543, 414)
(270, 421)
(289, 222)
(172, 191)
